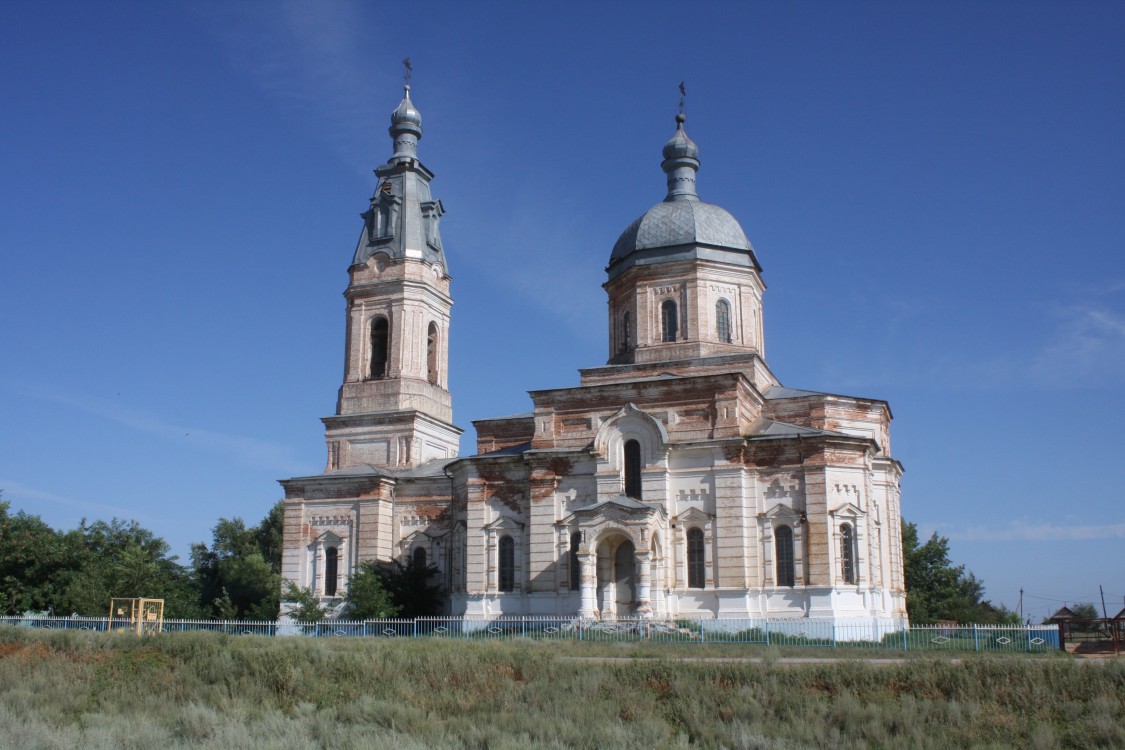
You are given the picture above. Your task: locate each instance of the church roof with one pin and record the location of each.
(682, 226)
(402, 220)
(777, 391)
(622, 501)
(435, 467)
(773, 428)
(511, 450)
(675, 223)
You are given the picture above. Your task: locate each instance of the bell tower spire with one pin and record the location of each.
(394, 409)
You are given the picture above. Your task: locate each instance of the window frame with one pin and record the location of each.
(848, 568)
(669, 321)
(723, 327)
(575, 581)
(331, 570)
(506, 564)
(380, 365)
(785, 566)
(631, 464)
(696, 558)
(432, 374)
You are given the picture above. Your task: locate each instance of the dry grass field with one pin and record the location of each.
(74, 689)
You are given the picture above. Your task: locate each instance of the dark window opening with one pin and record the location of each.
(669, 321)
(626, 331)
(420, 558)
(847, 553)
(507, 564)
(331, 570)
(783, 540)
(722, 320)
(696, 571)
(431, 354)
(380, 348)
(633, 469)
(575, 567)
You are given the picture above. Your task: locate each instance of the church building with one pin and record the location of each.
(680, 478)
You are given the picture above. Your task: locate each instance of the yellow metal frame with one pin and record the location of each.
(144, 616)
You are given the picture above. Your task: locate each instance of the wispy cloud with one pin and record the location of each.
(552, 277)
(315, 61)
(1079, 345)
(248, 452)
(1087, 346)
(20, 493)
(309, 58)
(1035, 531)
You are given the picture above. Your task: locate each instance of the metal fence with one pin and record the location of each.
(876, 634)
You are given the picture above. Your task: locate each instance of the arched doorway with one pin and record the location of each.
(625, 572)
(617, 577)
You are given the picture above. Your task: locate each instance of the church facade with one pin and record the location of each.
(681, 478)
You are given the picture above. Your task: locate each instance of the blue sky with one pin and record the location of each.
(935, 193)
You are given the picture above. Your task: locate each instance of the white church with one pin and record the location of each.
(678, 479)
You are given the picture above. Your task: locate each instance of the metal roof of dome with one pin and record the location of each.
(681, 221)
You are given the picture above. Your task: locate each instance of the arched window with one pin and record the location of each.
(431, 353)
(331, 570)
(626, 331)
(507, 568)
(633, 469)
(380, 347)
(696, 573)
(575, 567)
(783, 541)
(847, 553)
(722, 320)
(420, 558)
(669, 321)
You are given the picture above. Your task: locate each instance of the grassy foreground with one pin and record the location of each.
(73, 689)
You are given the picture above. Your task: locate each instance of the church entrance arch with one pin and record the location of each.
(615, 557)
(617, 585)
(625, 571)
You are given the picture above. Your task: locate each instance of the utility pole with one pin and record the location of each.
(1021, 603)
(1102, 592)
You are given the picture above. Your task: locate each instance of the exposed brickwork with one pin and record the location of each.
(696, 430)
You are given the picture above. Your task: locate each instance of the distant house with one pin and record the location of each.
(1063, 615)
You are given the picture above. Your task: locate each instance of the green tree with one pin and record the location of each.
(241, 571)
(302, 604)
(936, 589)
(123, 559)
(34, 563)
(1085, 611)
(367, 598)
(414, 589)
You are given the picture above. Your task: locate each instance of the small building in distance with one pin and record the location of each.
(680, 478)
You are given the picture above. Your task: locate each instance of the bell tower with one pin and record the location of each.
(394, 409)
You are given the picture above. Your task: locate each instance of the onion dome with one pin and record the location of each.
(682, 226)
(406, 127)
(679, 146)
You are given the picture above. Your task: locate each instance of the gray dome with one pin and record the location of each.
(676, 223)
(406, 114)
(679, 146)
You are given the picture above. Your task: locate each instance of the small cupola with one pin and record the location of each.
(406, 127)
(681, 162)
